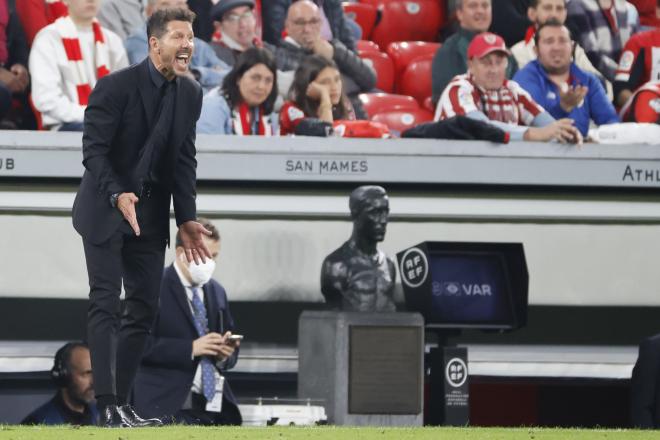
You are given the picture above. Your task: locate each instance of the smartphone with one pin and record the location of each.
(234, 338)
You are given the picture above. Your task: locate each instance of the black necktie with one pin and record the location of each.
(155, 148)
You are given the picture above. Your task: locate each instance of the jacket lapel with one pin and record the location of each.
(179, 293)
(145, 85)
(212, 308)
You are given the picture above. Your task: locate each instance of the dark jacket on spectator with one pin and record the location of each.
(357, 76)
(17, 45)
(510, 20)
(274, 16)
(203, 24)
(458, 127)
(55, 412)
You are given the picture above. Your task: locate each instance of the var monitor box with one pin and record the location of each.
(466, 284)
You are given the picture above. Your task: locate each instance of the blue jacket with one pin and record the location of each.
(596, 105)
(54, 412)
(166, 373)
(216, 115)
(205, 62)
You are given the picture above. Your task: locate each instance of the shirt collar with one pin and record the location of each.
(187, 287)
(573, 73)
(231, 43)
(291, 41)
(157, 78)
(466, 33)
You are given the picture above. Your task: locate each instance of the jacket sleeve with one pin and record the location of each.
(184, 191)
(354, 67)
(16, 42)
(273, 17)
(602, 110)
(644, 384)
(102, 118)
(441, 73)
(167, 352)
(340, 27)
(215, 117)
(231, 361)
(212, 69)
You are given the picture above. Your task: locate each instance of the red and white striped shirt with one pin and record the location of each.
(509, 104)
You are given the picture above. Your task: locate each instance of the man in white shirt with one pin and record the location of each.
(67, 59)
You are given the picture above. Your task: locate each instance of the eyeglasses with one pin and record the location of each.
(235, 18)
(311, 22)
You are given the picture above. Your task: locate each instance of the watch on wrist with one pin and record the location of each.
(113, 199)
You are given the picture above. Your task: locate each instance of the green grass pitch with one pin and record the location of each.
(10, 432)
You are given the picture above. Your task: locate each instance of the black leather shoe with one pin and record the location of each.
(131, 417)
(111, 417)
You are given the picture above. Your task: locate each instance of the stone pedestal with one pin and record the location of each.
(364, 368)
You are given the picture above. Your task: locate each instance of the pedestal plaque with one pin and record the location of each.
(366, 368)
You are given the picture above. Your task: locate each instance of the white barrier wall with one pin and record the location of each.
(569, 264)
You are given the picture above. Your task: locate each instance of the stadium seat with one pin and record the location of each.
(365, 15)
(383, 66)
(400, 120)
(416, 79)
(374, 103)
(366, 45)
(428, 104)
(406, 20)
(405, 52)
(37, 113)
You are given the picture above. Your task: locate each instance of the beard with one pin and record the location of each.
(557, 70)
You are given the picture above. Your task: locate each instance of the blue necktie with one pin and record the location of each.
(202, 326)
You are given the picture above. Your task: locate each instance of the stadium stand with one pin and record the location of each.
(405, 52)
(364, 14)
(407, 20)
(374, 103)
(416, 79)
(383, 66)
(401, 120)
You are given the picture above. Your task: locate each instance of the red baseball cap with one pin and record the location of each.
(485, 43)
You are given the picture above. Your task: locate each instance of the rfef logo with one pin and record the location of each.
(456, 372)
(414, 267)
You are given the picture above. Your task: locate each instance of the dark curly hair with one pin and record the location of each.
(245, 62)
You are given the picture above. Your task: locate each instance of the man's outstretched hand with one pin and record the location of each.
(126, 204)
(192, 234)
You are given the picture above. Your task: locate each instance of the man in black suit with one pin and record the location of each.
(189, 346)
(645, 385)
(138, 152)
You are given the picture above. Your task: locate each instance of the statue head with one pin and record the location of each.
(370, 208)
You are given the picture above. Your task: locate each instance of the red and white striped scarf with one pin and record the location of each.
(66, 28)
(242, 123)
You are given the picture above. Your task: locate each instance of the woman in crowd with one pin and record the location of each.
(244, 103)
(315, 96)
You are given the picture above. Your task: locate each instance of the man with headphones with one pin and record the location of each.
(73, 402)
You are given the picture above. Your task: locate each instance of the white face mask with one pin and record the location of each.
(200, 274)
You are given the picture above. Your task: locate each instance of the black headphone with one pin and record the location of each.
(60, 371)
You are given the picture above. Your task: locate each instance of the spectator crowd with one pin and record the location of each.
(538, 70)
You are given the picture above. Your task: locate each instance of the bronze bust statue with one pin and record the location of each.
(357, 276)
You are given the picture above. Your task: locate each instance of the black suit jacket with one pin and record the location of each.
(118, 120)
(645, 385)
(167, 370)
